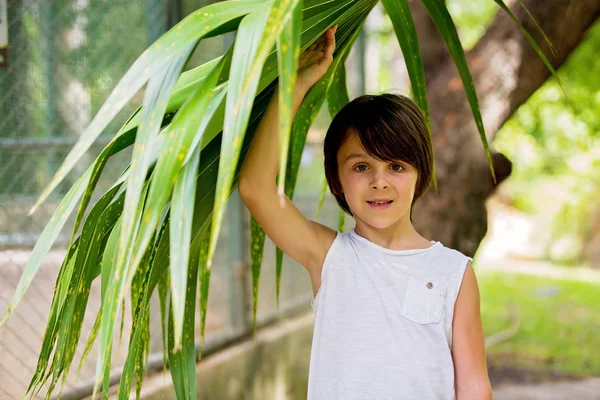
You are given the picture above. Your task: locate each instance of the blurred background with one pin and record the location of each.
(536, 243)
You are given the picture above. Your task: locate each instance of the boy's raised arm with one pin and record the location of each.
(261, 164)
(303, 240)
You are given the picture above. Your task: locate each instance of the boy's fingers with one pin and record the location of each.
(320, 47)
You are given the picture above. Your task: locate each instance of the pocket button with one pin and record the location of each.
(424, 300)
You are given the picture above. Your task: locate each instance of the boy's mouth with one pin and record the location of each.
(379, 204)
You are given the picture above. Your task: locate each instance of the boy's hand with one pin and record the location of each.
(314, 61)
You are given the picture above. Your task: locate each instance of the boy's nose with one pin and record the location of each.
(379, 183)
(383, 186)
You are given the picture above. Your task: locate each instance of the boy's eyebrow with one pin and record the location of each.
(354, 155)
(363, 155)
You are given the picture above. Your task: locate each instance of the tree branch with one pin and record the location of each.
(506, 71)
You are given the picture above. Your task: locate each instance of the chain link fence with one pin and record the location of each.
(64, 58)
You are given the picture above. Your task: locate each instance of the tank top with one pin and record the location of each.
(383, 322)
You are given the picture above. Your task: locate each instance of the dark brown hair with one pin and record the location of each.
(390, 127)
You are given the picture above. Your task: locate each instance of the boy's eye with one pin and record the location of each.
(396, 167)
(360, 168)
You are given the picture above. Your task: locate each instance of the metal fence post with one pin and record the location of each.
(237, 244)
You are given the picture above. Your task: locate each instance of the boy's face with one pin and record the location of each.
(379, 193)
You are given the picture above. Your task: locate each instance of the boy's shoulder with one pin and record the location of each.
(450, 261)
(452, 252)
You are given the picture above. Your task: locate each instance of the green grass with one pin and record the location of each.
(560, 322)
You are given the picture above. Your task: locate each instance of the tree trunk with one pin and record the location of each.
(506, 71)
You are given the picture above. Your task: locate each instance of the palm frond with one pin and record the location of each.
(442, 19)
(159, 222)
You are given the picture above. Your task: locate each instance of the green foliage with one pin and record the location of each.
(554, 146)
(472, 18)
(560, 320)
(158, 225)
(551, 141)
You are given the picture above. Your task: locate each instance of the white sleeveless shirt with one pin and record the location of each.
(383, 322)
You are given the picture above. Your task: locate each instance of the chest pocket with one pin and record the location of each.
(424, 300)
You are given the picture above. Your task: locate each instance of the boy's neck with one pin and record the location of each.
(400, 236)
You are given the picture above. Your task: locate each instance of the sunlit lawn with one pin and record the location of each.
(560, 322)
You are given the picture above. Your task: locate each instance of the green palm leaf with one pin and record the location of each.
(178, 143)
(257, 243)
(166, 47)
(45, 241)
(73, 290)
(316, 20)
(341, 220)
(288, 51)
(442, 19)
(337, 97)
(140, 296)
(182, 363)
(83, 187)
(278, 271)
(406, 33)
(309, 109)
(188, 140)
(109, 276)
(182, 210)
(256, 37)
(90, 343)
(204, 282)
(163, 290)
(125, 137)
(324, 187)
(530, 39)
(155, 103)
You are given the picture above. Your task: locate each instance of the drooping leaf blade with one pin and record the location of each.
(324, 187)
(73, 291)
(182, 362)
(288, 51)
(530, 39)
(406, 33)
(168, 165)
(110, 281)
(341, 220)
(44, 243)
(140, 300)
(204, 282)
(257, 244)
(255, 39)
(443, 21)
(305, 116)
(182, 209)
(155, 103)
(264, 81)
(167, 46)
(320, 21)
